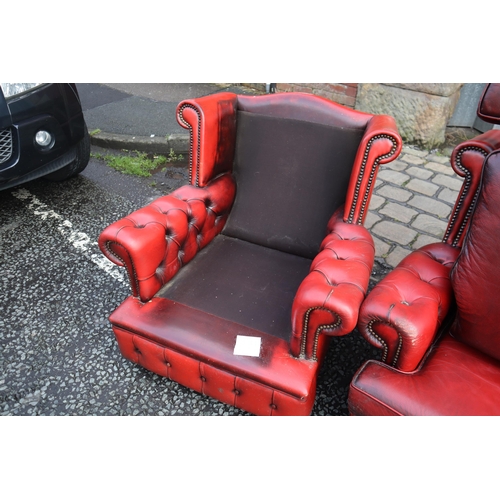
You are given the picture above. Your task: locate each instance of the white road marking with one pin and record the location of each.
(81, 241)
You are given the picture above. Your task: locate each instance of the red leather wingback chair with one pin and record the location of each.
(436, 316)
(271, 229)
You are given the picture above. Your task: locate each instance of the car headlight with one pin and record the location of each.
(13, 89)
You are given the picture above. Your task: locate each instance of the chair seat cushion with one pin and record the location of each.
(241, 282)
(453, 380)
(188, 331)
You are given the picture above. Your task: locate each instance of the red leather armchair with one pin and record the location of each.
(239, 279)
(436, 316)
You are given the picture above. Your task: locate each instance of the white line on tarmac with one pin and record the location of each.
(81, 241)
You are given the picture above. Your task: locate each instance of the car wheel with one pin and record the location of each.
(77, 166)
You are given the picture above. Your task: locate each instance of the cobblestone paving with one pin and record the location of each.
(412, 200)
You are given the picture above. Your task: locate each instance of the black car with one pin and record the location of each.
(42, 132)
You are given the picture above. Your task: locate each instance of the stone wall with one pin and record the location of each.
(421, 110)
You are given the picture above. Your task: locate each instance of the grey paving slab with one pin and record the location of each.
(444, 168)
(414, 151)
(430, 205)
(419, 173)
(398, 212)
(423, 187)
(392, 231)
(393, 176)
(412, 159)
(424, 239)
(450, 182)
(381, 247)
(371, 219)
(397, 165)
(445, 160)
(430, 225)
(376, 201)
(397, 255)
(448, 195)
(394, 193)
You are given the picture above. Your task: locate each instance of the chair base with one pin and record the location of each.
(196, 349)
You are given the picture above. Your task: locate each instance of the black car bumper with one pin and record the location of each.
(54, 108)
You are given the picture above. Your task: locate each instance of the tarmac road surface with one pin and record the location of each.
(58, 355)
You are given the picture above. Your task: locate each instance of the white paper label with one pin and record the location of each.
(247, 346)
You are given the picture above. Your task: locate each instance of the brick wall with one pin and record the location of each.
(343, 93)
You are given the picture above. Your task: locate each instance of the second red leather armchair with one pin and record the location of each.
(435, 317)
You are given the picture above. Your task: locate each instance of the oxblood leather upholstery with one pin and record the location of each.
(487, 108)
(436, 315)
(338, 279)
(467, 160)
(272, 271)
(154, 242)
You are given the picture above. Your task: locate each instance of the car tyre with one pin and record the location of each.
(78, 165)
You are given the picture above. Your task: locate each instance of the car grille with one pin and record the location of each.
(5, 144)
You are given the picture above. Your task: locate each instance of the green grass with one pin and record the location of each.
(136, 163)
(172, 157)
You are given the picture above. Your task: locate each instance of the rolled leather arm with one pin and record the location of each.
(211, 121)
(381, 144)
(154, 242)
(467, 161)
(329, 298)
(404, 311)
